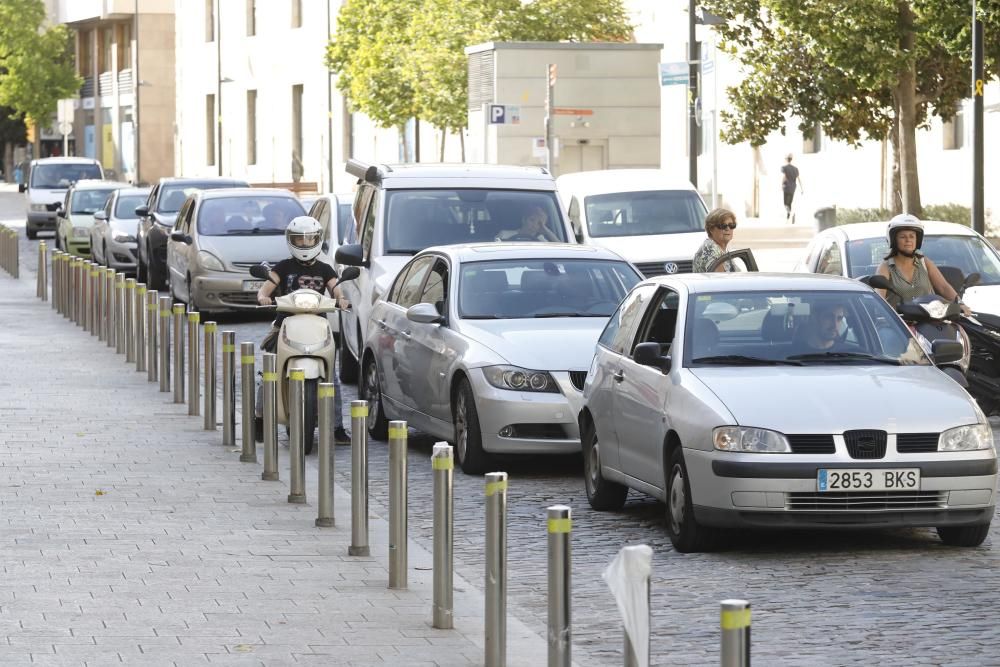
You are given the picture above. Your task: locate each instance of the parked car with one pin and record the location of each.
(651, 219)
(218, 236)
(402, 209)
(112, 238)
(815, 409)
(487, 345)
(156, 220)
(858, 249)
(333, 211)
(75, 217)
(46, 185)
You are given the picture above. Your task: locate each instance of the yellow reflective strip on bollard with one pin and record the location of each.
(325, 392)
(360, 411)
(164, 313)
(142, 290)
(246, 359)
(129, 285)
(270, 377)
(735, 620)
(193, 317)
(297, 375)
(179, 308)
(228, 348)
(442, 463)
(210, 327)
(150, 307)
(560, 525)
(493, 488)
(396, 433)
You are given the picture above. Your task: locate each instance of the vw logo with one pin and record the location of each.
(670, 267)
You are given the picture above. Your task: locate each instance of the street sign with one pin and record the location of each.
(676, 74)
(553, 69)
(65, 127)
(563, 111)
(504, 114)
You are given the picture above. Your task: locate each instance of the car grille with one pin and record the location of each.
(871, 501)
(916, 443)
(865, 444)
(578, 378)
(812, 444)
(650, 269)
(238, 298)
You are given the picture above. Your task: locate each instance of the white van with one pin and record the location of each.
(46, 185)
(654, 221)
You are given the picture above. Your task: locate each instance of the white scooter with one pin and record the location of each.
(305, 341)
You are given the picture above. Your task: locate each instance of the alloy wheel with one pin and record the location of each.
(373, 394)
(461, 426)
(676, 500)
(593, 471)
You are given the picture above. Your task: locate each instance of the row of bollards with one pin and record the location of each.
(10, 257)
(121, 313)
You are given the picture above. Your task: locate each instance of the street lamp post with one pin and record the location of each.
(978, 212)
(218, 84)
(694, 71)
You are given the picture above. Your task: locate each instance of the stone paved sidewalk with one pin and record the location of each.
(128, 534)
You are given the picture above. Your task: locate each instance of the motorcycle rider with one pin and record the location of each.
(910, 272)
(303, 270)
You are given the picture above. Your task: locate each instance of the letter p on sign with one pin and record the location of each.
(497, 114)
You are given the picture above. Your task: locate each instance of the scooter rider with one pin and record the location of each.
(910, 272)
(302, 270)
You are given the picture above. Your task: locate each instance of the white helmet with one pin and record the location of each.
(304, 236)
(901, 222)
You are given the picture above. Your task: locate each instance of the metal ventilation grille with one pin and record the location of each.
(650, 269)
(877, 501)
(578, 378)
(865, 444)
(916, 443)
(481, 72)
(812, 444)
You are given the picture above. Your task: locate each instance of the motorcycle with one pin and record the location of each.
(304, 341)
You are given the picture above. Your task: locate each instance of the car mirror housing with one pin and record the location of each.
(946, 351)
(142, 211)
(350, 254)
(648, 354)
(22, 187)
(180, 237)
(101, 215)
(876, 282)
(257, 270)
(424, 313)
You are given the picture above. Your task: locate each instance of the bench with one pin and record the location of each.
(301, 187)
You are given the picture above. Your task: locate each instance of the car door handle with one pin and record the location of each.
(380, 323)
(406, 334)
(618, 376)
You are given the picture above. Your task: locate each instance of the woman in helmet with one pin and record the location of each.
(910, 272)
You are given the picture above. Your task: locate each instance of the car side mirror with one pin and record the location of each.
(22, 187)
(971, 280)
(350, 254)
(101, 215)
(61, 212)
(946, 351)
(648, 354)
(424, 313)
(142, 211)
(259, 271)
(876, 282)
(180, 237)
(325, 247)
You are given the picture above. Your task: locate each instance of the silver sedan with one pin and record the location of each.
(487, 345)
(769, 400)
(112, 238)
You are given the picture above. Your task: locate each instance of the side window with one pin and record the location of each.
(362, 199)
(660, 322)
(184, 217)
(368, 227)
(151, 200)
(436, 288)
(398, 284)
(618, 332)
(574, 217)
(409, 291)
(108, 205)
(830, 260)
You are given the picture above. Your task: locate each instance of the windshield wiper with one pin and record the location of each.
(744, 360)
(481, 317)
(566, 314)
(844, 356)
(251, 232)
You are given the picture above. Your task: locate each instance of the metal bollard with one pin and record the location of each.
(359, 480)
(102, 305)
(496, 569)
(194, 395)
(178, 345)
(95, 304)
(163, 342)
(270, 413)
(735, 624)
(78, 290)
(85, 312)
(119, 313)
(443, 465)
(247, 374)
(560, 524)
(398, 505)
(129, 306)
(210, 357)
(229, 388)
(296, 446)
(324, 397)
(41, 278)
(109, 307)
(152, 305)
(140, 327)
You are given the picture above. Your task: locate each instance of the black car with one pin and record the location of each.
(156, 219)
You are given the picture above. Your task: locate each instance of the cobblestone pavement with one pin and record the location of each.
(819, 598)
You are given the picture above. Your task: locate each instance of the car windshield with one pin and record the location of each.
(89, 201)
(247, 215)
(970, 254)
(125, 208)
(796, 328)
(174, 196)
(510, 289)
(418, 219)
(61, 176)
(644, 213)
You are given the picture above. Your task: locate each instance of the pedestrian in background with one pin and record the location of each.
(719, 225)
(789, 181)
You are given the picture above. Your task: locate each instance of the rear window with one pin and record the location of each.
(418, 219)
(644, 213)
(61, 176)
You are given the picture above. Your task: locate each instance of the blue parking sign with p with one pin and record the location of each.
(498, 113)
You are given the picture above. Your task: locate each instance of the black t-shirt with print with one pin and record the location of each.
(294, 275)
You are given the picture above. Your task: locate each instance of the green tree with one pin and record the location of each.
(873, 69)
(36, 62)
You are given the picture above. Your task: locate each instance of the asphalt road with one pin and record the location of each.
(892, 598)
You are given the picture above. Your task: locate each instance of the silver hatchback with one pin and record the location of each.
(770, 400)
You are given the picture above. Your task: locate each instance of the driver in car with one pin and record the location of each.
(534, 227)
(825, 328)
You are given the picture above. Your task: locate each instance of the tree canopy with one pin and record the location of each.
(872, 69)
(397, 61)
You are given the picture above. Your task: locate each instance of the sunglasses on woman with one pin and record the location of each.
(723, 225)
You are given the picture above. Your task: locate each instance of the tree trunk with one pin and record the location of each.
(8, 162)
(896, 203)
(461, 141)
(444, 135)
(906, 101)
(416, 139)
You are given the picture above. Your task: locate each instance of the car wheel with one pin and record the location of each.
(371, 391)
(31, 233)
(469, 451)
(685, 533)
(601, 494)
(156, 278)
(963, 536)
(104, 255)
(348, 364)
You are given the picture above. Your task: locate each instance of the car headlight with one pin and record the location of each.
(122, 237)
(520, 379)
(210, 261)
(81, 232)
(966, 438)
(38, 207)
(750, 440)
